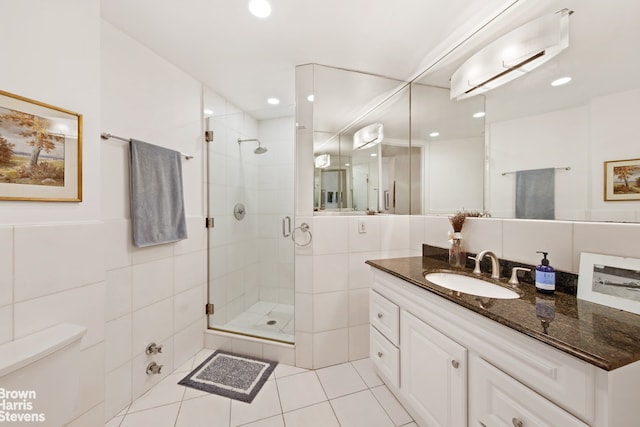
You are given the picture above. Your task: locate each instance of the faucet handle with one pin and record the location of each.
(514, 275)
(476, 269)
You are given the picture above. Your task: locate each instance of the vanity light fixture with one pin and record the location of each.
(323, 161)
(512, 55)
(273, 101)
(561, 81)
(479, 114)
(260, 8)
(368, 136)
(434, 134)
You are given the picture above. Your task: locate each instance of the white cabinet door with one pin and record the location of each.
(433, 374)
(497, 400)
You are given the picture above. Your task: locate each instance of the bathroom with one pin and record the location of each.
(74, 262)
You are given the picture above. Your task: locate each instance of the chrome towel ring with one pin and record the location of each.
(304, 227)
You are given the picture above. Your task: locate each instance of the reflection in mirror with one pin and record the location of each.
(342, 104)
(450, 137)
(570, 130)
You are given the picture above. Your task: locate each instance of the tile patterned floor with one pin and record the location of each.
(346, 395)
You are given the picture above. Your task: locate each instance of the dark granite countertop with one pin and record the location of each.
(602, 336)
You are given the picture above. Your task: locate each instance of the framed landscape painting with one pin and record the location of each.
(622, 180)
(40, 151)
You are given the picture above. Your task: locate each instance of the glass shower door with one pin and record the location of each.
(250, 197)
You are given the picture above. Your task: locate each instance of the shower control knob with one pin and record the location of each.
(153, 348)
(154, 368)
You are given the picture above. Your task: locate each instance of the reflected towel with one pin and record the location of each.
(157, 204)
(535, 194)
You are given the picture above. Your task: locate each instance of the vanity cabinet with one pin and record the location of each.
(433, 372)
(459, 368)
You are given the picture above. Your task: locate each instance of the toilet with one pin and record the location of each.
(39, 377)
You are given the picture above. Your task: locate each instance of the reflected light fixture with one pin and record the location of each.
(273, 101)
(208, 112)
(311, 98)
(323, 161)
(561, 81)
(260, 8)
(368, 136)
(434, 134)
(479, 114)
(512, 55)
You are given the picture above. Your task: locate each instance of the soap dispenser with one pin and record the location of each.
(545, 275)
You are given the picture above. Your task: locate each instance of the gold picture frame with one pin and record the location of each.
(622, 180)
(40, 151)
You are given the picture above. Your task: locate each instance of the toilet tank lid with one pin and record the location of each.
(23, 351)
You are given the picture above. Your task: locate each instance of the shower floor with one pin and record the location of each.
(264, 319)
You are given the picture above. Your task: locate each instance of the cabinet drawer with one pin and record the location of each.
(385, 356)
(497, 400)
(384, 315)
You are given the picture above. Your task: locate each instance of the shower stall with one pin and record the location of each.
(250, 187)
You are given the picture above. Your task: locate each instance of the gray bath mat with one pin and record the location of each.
(230, 375)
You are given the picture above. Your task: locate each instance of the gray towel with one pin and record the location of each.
(535, 194)
(157, 204)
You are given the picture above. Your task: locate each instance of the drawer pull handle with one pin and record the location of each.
(455, 364)
(379, 354)
(517, 423)
(379, 315)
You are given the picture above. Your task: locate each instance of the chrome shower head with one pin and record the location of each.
(259, 150)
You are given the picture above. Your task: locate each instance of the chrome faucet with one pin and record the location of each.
(495, 263)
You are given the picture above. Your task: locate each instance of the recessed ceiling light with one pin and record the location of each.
(373, 155)
(561, 81)
(310, 98)
(260, 8)
(347, 164)
(434, 134)
(479, 114)
(273, 101)
(208, 112)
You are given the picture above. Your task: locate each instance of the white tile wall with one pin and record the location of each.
(330, 348)
(152, 282)
(81, 306)
(72, 254)
(359, 342)
(91, 384)
(117, 337)
(522, 238)
(330, 272)
(118, 389)
(6, 324)
(330, 311)
(6, 265)
(118, 291)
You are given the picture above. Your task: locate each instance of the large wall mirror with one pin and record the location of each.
(571, 129)
(440, 155)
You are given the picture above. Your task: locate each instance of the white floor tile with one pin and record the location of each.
(360, 410)
(208, 411)
(114, 422)
(340, 380)
(276, 421)
(366, 371)
(165, 392)
(282, 370)
(320, 415)
(265, 405)
(410, 425)
(392, 407)
(162, 416)
(290, 391)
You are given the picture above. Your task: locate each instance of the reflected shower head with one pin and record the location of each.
(259, 150)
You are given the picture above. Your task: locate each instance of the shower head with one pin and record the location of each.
(259, 150)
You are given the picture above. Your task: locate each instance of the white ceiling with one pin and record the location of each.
(247, 59)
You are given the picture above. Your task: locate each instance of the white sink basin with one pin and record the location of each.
(470, 285)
